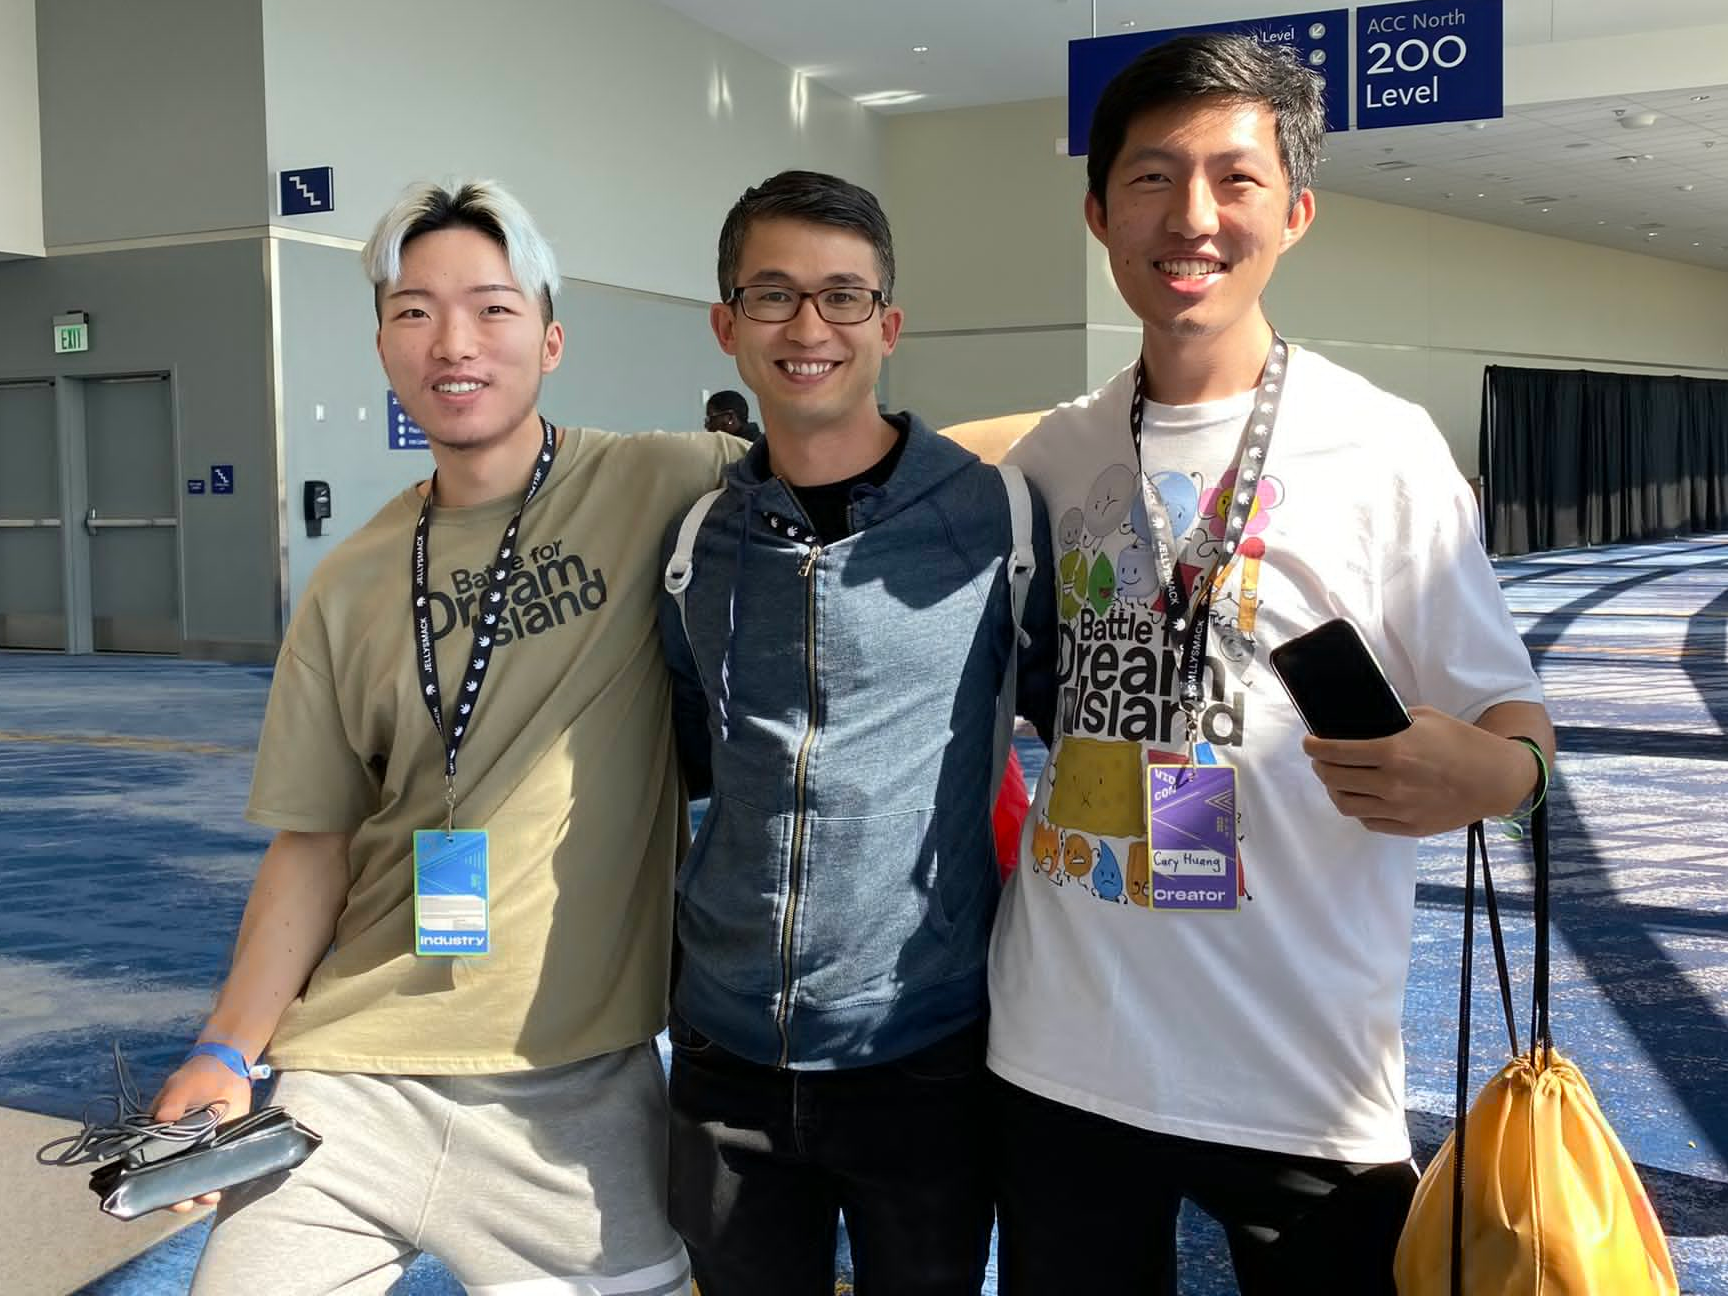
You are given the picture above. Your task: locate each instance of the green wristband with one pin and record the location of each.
(1541, 784)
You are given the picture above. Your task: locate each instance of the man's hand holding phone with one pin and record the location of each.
(1438, 775)
(1408, 771)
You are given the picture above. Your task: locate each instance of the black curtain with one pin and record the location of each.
(1574, 457)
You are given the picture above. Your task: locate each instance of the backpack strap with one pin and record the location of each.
(1022, 563)
(681, 565)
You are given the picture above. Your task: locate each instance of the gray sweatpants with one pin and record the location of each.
(526, 1184)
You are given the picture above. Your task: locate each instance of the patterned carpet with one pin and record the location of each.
(126, 865)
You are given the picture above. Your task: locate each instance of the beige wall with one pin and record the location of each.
(1418, 302)
(20, 132)
(991, 252)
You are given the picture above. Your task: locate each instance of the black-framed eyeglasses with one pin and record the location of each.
(777, 304)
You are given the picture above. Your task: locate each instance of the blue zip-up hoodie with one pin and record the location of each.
(837, 703)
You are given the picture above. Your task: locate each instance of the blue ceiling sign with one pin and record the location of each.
(1421, 62)
(1321, 38)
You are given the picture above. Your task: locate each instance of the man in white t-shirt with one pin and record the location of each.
(1220, 1023)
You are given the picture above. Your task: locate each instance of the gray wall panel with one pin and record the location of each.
(152, 118)
(199, 314)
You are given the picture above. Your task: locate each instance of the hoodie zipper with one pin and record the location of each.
(808, 572)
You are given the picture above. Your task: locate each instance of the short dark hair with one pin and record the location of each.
(729, 402)
(1225, 66)
(807, 196)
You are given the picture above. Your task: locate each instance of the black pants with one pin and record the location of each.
(1088, 1204)
(765, 1161)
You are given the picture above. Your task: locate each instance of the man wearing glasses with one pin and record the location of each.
(841, 626)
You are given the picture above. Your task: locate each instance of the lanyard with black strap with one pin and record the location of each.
(450, 866)
(1191, 803)
(1187, 612)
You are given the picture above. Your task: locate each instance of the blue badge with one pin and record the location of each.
(450, 893)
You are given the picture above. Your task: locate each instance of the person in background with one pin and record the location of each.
(729, 412)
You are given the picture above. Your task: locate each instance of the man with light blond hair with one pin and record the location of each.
(455, 953)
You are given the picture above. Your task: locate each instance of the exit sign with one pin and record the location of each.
(71, 332)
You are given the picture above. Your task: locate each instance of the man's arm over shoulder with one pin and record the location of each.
(685, 464)
(991, 438)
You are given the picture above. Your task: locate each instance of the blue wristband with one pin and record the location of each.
(226, 1054)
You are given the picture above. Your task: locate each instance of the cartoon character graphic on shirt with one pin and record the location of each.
(1107, 505)
(1107, 876)
(1137, 565)
(1236, 610)
(1096, 788)
(1180, 494)
(1085, 574)
(1073, 571)
(1046, 846)
(1076, 855)
(1139, 874)
(1108, 502)
(1136, 573)
(1120, 681)
(1215, 505)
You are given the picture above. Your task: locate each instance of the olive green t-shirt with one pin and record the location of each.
(567, 763)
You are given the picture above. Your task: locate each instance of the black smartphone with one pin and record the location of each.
(1336, 685)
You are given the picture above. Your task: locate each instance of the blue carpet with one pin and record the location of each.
(122, 781)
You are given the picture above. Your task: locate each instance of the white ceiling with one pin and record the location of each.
(1571, 153)
(997, 51)
(994, 51)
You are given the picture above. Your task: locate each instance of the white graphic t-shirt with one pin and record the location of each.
(1252, 1001)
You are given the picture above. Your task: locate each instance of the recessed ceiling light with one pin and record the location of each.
(1128, 23)
(1481, 195)
(1699, 99)
(1651, 234)
(920, 49)
(1684, 188)
(1406, 179)
(1544, 209)
(1601, 222)
(1697, 245)
(1478, 125)
(888, 98)
(1638, 120)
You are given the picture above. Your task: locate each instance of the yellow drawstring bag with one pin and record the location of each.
(1551, 1205)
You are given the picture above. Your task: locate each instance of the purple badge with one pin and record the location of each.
(1192, 813)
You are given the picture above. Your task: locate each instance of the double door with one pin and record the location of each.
(89, 518)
